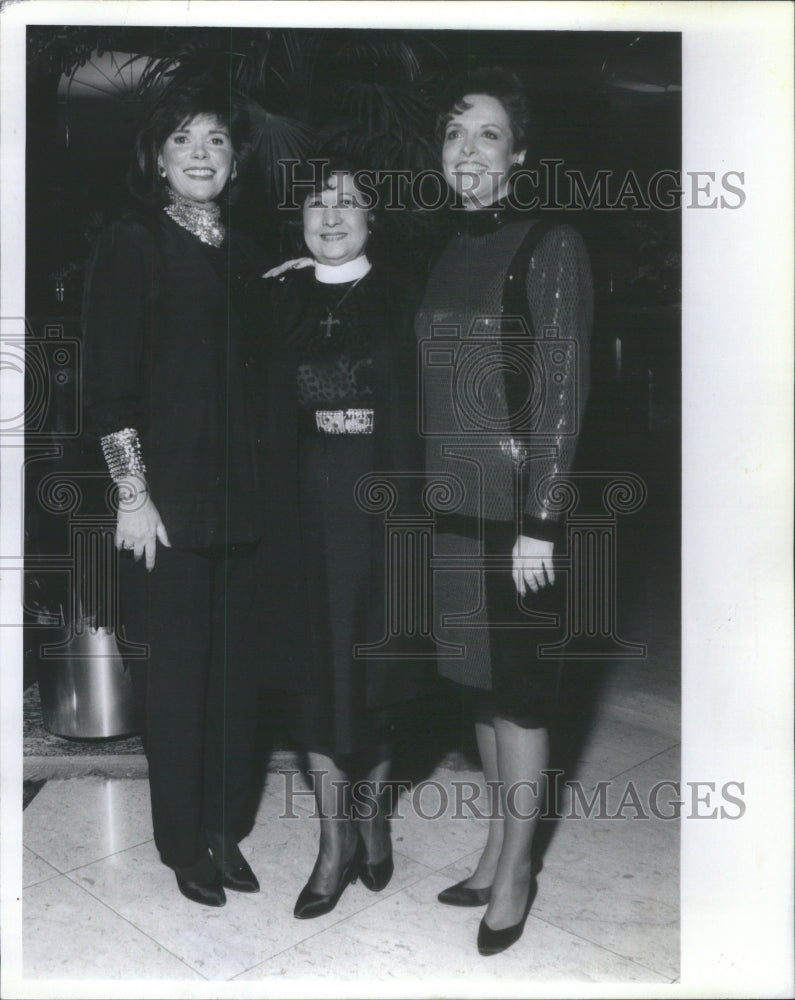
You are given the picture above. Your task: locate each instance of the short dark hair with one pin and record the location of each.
(178, 105)
(498, 82)
(315, 174)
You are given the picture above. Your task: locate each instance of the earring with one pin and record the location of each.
(234, 173)
(162, 171)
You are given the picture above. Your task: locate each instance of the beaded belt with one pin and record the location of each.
(344, 421)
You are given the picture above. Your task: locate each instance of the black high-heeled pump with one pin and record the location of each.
(236, 873)
(461, 895)
(314, 904)
(491, 942)
(201, 883)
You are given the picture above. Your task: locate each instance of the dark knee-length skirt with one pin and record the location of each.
(327, 604)
(488, 637)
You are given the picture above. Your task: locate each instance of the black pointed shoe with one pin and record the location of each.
(491, 942)
(236, 873)
(314, 904)
(376, 877)
(240, 879)
(461, 895)
(201, 883)
(375, 831)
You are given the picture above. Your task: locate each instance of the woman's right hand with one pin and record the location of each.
(139, 526)
(289, 265)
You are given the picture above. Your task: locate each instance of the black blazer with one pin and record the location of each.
(165, 353)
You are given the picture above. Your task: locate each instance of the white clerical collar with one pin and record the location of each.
(351, 270)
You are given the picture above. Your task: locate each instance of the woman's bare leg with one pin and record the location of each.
(522, 755)
(373, 820)
(337, 834)
(483, 875)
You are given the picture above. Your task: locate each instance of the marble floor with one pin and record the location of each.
(98, 906)
(101, 916)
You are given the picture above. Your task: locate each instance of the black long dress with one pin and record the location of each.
(323, 564)
(502, 407)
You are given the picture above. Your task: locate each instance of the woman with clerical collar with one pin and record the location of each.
(340, 388)
(166, 395)
(504, 331)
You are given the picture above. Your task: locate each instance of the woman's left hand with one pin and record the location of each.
(289, 265)
(532, 564)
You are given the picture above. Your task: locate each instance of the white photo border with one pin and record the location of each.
(736, 876)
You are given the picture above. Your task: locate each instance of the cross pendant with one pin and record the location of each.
(328, 322)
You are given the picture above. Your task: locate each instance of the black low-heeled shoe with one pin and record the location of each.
(240, 879)
(314, 904)
(201, 883)
(236, 873)
(461, 895)
(491, 942)
(376, 877)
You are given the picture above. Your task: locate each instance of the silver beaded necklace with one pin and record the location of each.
(203, 221)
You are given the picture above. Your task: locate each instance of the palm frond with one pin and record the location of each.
(275, 139)
(377, 55)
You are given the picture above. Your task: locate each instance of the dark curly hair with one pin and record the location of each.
(178, 105)
(497, 82)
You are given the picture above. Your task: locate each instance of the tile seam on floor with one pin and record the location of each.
(654, 756)
(337, 923)
(41, 881)
(478, 851)
(453, 861)
(268, 958)
(640, 763)
(96, 861)
(132, 923)
(596, 944)
(55, 874)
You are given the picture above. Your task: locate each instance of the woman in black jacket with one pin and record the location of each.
(166, 394)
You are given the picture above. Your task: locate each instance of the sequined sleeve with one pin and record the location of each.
(559, 291)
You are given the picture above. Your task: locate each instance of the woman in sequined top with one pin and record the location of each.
(166, 396)
(504, 332)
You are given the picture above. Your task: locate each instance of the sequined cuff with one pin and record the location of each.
(122, 451)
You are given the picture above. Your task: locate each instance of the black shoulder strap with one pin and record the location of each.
(514, 299)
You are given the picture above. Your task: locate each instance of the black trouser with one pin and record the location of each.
(198, 691)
